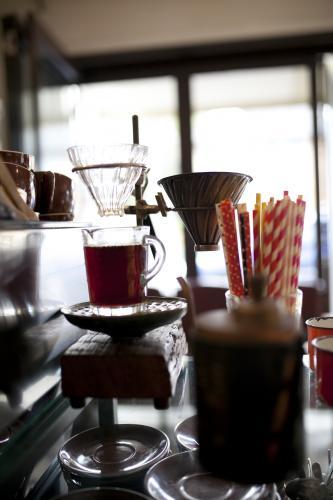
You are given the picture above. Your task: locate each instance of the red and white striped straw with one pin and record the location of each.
(281, 253)
(267, 237)
(278, 248)
(275, 240)
(226, 216)
(249, 266)
(287, 268)
(297, 247)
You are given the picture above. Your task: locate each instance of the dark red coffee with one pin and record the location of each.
(114, 274)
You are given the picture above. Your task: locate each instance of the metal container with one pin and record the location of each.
(194, 196)
(249, 392)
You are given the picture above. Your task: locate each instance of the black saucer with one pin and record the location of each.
(128, 321)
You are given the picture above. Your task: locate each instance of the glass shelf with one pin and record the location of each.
(318, 424)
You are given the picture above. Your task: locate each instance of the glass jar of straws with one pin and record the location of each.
(291, 303)
(268, 241)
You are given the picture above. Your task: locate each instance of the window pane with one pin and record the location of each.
(258, 122)
(101, 113)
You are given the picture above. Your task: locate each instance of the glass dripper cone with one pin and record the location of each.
(109, 172)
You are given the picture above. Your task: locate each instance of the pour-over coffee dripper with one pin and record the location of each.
(113, 173)
(110, 173)
(194, 196)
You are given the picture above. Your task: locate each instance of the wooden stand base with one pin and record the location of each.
(146, 367)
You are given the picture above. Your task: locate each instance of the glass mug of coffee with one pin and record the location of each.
(117, 266)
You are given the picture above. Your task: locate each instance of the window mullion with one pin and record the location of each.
(184, 108)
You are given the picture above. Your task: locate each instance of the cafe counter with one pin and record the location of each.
(42, 269)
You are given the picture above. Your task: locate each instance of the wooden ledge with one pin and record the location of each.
(146, 367)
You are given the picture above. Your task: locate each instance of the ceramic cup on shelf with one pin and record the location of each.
(24, 181)
(23, 159)
(323, 361)
(317, 327)
(54, 196)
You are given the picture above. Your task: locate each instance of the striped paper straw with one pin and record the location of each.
(258, 207)
(278, 248)
(262, 215)
(245, 239)
(287, 268)
(256, 240)
(297, 247)
(263, 210)
(273, 256)
(226, 214)
(223, 239)
(267, 237)
(282, 245)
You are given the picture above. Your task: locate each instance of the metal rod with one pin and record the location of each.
(186, 154)
(138, 185)
(188, 209)
(107, 412)
(135, 127)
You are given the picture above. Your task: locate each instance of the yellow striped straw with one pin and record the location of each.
(258, 207)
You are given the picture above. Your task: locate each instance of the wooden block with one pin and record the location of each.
(146, 367)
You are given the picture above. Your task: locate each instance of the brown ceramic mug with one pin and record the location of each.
(24, 181)
(19, 158)
(54, 196)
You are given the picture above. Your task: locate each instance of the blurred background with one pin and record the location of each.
(219, 85)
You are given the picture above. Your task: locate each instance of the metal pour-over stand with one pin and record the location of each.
(194, 197)
(101, 367)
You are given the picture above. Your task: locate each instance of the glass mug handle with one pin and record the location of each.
(159, 258)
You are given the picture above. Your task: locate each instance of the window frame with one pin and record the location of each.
(182, 62)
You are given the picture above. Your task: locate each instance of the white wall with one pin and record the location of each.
(88, 26)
